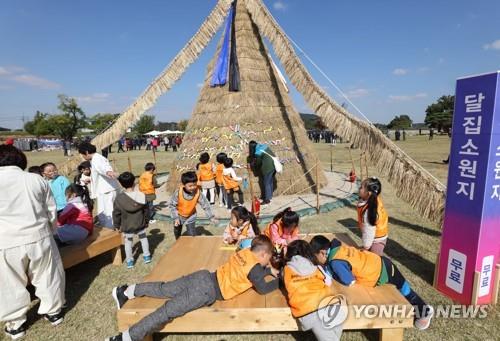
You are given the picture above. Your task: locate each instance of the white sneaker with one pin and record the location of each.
(424, 322)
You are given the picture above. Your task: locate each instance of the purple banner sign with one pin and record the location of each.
(471, 232)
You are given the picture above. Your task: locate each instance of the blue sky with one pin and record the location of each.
(390, 57)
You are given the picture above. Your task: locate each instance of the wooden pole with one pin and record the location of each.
(129, 164)
(252, 195)
(361, 166)
(154, 157)
(317, 186)
(352, 160)
(331, 158)
(366, 165)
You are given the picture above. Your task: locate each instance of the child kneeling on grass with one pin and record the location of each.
(244, 270)
(183, 205)
(349, 265)
(308, 289)
(131, 217)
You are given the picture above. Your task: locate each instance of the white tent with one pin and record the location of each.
(153, 133)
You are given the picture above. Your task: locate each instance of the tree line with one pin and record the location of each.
(71, 119)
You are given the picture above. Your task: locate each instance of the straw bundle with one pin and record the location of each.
(164, 82)
(262, 110)
(412, 183)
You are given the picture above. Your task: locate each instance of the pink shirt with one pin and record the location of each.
(286, 238)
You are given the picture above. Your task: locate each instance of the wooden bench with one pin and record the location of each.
(251, 312)
(102, 240)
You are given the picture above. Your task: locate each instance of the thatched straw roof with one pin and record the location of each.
(262, 109)
(413, 184)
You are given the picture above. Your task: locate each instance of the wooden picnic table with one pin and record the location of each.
(251, 312)
(101, 241)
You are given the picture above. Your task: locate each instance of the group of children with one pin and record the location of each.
(132, 209)
(309, 267)
(308, 271)
(220, 179)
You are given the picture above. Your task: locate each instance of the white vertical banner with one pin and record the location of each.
(455, 272)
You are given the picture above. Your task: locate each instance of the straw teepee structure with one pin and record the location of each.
(412, 183)
(224, 120)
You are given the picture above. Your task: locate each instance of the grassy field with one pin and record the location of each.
(413, 245)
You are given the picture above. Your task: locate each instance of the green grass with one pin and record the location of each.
(413, 246)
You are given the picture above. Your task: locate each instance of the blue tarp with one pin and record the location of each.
(219, 77)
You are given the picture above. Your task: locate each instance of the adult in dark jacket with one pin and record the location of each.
(262, 164)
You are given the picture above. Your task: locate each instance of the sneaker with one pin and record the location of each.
(16, 334)
(118, 294)
(425, 321)
(55, 319)
(115, 338)
(147, 259)
(152, 221)
(130, 264)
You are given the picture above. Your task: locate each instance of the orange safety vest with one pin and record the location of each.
(365, 265)
(382, 219)
(146, 183)
(187, 208)
(233, 276)
(230, 183)
(305, 293)
(218, 174)
(205, 172)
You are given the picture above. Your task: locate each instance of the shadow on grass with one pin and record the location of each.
(414, 227)
(155, 237)
(420, 266)
(80, 277)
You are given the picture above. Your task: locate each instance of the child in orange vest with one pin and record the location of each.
(148, 185)
(231, 183)
(372, 217)
(245, 269)
(309, 293)
(219, 180)
(349, 265)
(206, 177)
(243, 225)
(284, 228)
(183, 205)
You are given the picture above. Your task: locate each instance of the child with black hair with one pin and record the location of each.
(148, 185)
(58, 184)
(309, 291)
(35, 170)
(83, 177)
(75, 223)
(284, 228)
(219, 180)
(245, 269)
(372, 217)
(131, 217)
(243, 225)
(349, 265)
(231, 183)
(206, 176)
(183, 205)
